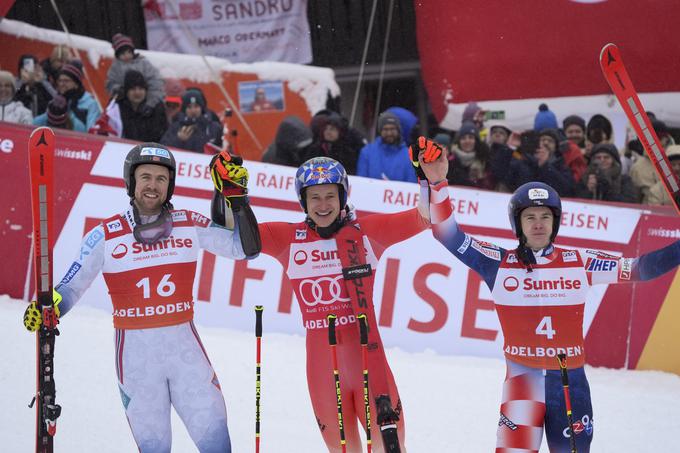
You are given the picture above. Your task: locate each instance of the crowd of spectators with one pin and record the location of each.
(577, 157)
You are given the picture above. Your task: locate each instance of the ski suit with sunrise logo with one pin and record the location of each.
(159, 358)
(314, 267)
(541, 315)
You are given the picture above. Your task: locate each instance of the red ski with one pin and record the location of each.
(619, 81)
(41, 154)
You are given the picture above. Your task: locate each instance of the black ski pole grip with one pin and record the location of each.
(258, 320)
(363, 328)
(331, 330)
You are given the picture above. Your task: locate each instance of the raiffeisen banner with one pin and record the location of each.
(512, 56)
(241, 31)
(425, 298)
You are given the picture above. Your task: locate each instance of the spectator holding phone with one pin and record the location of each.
(33, 89)
(193, 129)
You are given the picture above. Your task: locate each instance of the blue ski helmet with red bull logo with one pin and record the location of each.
(321, 170)
(534, 194)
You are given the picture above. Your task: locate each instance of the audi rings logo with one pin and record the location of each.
(119, 251)
(324, 290)
(510, 284)
(300, 257)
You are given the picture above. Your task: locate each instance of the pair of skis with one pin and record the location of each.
(388, 431)
(41, 156)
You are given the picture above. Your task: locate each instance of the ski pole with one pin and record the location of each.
(562, 359)
(363, 330)
(332, 341)
(258, 336)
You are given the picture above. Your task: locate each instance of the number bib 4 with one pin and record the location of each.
(150, 285)
(541, 312)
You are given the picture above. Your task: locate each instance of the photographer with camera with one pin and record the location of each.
(193, 128)
(603, 179)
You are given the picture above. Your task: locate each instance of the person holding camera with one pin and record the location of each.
(603, 179)
(33, 89)
(193, 128)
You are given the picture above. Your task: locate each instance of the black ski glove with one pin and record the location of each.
(386, 415)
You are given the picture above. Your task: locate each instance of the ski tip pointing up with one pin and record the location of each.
(609, 55)
(41, 136)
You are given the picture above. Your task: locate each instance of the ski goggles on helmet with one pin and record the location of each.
(152, 232)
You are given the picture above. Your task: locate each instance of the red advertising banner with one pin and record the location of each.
(528, 50)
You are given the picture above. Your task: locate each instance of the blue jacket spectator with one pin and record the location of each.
(80, 102)
(58, 115)
(408, 122)
(387, 156)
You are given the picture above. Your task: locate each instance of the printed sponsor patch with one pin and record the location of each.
(625, 268)
(359, 271)
(600, 254)
(72, 271)
(199, 219)
(94, 238)
(464, 246)
(300, 235)
(114, 226)
(491, 252)
(512, 258)
(157, 152)
(538, 194)
(179, 216)
(569, 256)
(601, 265)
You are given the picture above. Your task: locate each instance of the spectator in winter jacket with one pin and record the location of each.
(291, 142)
(193, 129)
(174, 90)
(387, 156)
(541, 161)
(469, 160)
(33, 90)
(500, 153)
(642, 172)
(603, 179)
(571, 155)
(474, 114)
(126, 59)
(353, 138)
(658, 195)
(80, 103)
(331, 141)
(141, 121)
(59, 115)
(410, 127)
(10, 110)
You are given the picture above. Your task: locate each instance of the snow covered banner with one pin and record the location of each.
(242, 31)
(511, 57)
(425, 298)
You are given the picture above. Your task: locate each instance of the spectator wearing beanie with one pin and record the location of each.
(474, 114)
(501, 153)
(80, 102)
(387, 156)
(10, 110)
(127, 59)
(603, 179)
(469, 160)
(33, 89)
(598, 130)
(574, 128)
(174, 90)
(51, 66)
(544, 119)
(141, 122)
(59, 115)
(193, 129)
(657, 193)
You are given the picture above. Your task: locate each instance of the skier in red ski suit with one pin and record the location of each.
(313, 254)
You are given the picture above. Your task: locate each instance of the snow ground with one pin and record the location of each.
(451, 403)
